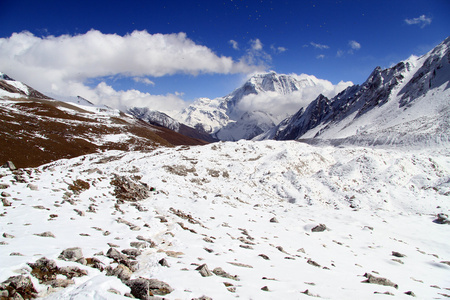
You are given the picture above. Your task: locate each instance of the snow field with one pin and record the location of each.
(372, 202)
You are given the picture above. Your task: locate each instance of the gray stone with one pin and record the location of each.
(273, 220)
(163, 262)
(71, 254)
(32, 187)
(379, 280)
(142, 288)
(19, 287)
(5, 194)
(133, 252)
(121, 271)
(44, 269)
(319, 228)
(204, 271)
(72, 271)
(57, 283)
(220, 272)
(45, 234)
(9, 164)
(8, 236)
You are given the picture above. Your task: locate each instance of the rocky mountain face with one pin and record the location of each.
(226, 120)
(406, 103)
(37, 129)
(161, 119)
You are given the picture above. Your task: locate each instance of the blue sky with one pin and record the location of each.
(332, 40)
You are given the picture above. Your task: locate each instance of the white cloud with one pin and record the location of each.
(256, 44)
(256, 56)
(319, 46)
(339, 53)
(62, 65)
(278, 50)
(143, 80)
(281, 106)
(422, 21)
(354, 45)
(234, 44)
(320, 56)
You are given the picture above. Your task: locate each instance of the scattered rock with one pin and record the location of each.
(129, 224)
(139, 245)
(133, 252)
(32, 187)
(163, 262)
(202, 298)
(5, 194)
(273, 220)
(220, 272)
(3, 186)
(313, 263)
(6, 202)
(264, 256)
(379, 280)
(410, 293)
(72, 271)
(319, 228)
(445, 262)
(126, 189)
(44, 269)
(79, 186)
(71, 254)
(45, 234)
(142, 288)
(10, 165)
(442, 219)
(397, 254)
(240, 265)
(121, 271)
(16, 254)
(204, 271)
(265, 288)
(121, 258)
(8, 236)
(18, 287)
(385, 293)
(57, 283)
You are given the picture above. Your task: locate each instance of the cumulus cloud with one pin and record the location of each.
(422, 21)
(320, 56)
(281, 106)
(234, 44)
(319, 46)
(63, 64)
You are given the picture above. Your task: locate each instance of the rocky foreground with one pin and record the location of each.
(244, 220)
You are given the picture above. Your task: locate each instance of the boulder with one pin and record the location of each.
(379, 280)
(18, 287)
(142, 288)
(319, 228)
(71, 254)
(204, 270)
(44, 269)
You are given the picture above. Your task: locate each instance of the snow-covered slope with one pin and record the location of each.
(406, 104)
(252, 209)
(260, 103)
(161, 119)
(36, 129)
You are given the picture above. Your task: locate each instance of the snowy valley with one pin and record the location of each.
(344, 198)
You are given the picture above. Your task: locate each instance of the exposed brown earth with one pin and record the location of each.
(35, 131)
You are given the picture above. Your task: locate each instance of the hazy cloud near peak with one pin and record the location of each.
(280, 106)
(62, 64)
(422, 21)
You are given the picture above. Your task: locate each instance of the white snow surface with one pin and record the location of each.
(231, 191)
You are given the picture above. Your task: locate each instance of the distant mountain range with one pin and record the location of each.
(404, 104)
